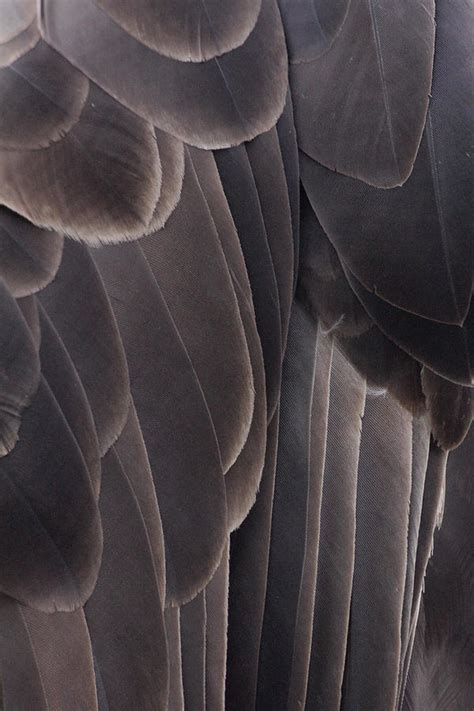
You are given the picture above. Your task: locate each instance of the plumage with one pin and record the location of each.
(186, 31)
(108, 198)
(311, 26)
(191, 498)
(130, 654)
(41, 79)
(46, 659)
(372, 82)
(382, 510)
(305, 382)
(225, 104)
(236, 355)
(337, 535)
(19, 369)
(30, 257)
(243, 477)
(241, 193)
(90, 335)
(50, 563)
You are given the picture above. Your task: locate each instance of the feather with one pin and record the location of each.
(50, 562)
(216, 598)
(440, 675)
(241, 193)
(193, 652)
(171, 152)
(289, 154)
(43, 96)
(28, 306)
(20, 43)
(336, 552)
(207, 319)
(173, 635)
(130, 449)
(382, 509)
(446, 349)
(420, 452)
(305, 381)
(186, 31)
(19, 369)
(175, 420)
(266, 163)
(311, 26)
(29, 257)
(112, 193)
(368, 92)
(79, 308)
(46, 660)
(124, 614)
(243, 477)
(211, 104)
(249, 552)
(450, 409)
(17, 15)
(61, 375)
(388, 238)
(322, 285)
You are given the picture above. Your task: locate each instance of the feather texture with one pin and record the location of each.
(186, 31)
(224, 104)
(373, 81)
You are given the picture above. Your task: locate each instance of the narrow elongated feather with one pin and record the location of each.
(440, 675)
(336, 553)
(46, 660)
(266, 163)
(289, 153)
(58, 369)
(29, 257)
(450, 409)
(311, 26)
(173, 636)
(431, 515)
(175, 420)
(368, 93)
(112, 192)
(193, 652)
(249, 552)
(316, 455)
(419, 462)
(305, 381)
(383, 492)
(207, 319)
(50, 562)
(186, 31)
(124, 614)
(448, 350)
(131, 450)
(239, 187)
(29, 308)
(79, 308)
(19, 369)
(243, 477)
(216, 598)
(225, 104)
(43, 97)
